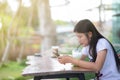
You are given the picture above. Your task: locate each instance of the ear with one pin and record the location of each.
(90, 34)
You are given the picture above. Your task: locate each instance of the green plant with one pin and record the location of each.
(12, 71)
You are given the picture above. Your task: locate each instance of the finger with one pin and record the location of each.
(59, 57)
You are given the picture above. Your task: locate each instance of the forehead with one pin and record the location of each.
(79, 34)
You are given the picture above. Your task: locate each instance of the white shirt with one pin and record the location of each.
(109, 69)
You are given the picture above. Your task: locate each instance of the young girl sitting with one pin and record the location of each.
(104, 59)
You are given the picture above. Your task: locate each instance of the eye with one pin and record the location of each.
(79, 36)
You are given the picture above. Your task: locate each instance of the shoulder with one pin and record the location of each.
(102, 44)
(102, 41)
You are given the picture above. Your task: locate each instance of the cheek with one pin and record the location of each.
(85, 41)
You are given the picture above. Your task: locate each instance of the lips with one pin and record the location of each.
(81, 43)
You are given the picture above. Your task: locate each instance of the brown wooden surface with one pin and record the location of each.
(46, 65)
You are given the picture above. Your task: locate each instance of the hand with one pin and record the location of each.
(65, 59)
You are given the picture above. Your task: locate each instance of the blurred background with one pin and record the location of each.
(33, 26)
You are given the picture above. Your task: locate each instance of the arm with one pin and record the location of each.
(95, 66)
(83, 57)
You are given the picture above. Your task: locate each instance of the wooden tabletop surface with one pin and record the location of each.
(47, 65)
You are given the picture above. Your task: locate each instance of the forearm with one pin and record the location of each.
(83, 57)
(85, 64)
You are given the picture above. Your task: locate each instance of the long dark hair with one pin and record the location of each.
(85, 26)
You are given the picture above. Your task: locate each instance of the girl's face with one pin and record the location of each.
(83, 39)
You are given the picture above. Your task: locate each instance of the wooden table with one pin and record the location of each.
(46, 67)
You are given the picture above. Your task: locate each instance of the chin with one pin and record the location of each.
(84, 45)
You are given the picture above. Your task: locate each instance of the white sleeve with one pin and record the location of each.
(102, 44)
(84, 51)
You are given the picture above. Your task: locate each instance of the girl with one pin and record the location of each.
(104, 59)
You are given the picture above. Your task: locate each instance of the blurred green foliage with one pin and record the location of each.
(13, 70)
(59, 22)
(16, 25)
